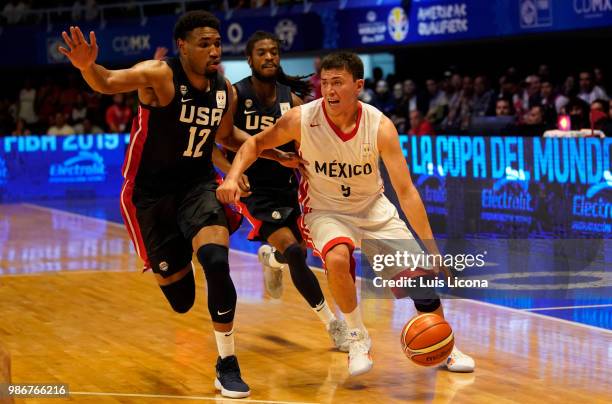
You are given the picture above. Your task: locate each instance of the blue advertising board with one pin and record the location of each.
(508, 186)
(426, 22)
(118, 42)
(48, 167)
(362, 24)
(297, 32)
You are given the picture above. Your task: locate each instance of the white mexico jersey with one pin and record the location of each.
(343, 174)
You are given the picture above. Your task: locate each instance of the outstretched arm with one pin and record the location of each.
(286, 129)
(83, 56)
(407, 194)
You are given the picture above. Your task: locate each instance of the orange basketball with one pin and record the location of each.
(427, 339)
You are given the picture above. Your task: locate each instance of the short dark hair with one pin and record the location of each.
(348, 61)
(192, 20)
(260, 36)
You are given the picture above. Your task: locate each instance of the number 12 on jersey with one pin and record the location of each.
(192, 136)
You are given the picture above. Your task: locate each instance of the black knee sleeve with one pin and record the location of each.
(181, 294)
(221, 290)
(426, 305)
(303, 278)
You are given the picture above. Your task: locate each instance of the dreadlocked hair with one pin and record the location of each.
(298, 84)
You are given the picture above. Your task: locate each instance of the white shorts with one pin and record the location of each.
(323, 230)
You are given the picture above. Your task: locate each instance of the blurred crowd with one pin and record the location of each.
(464, 103)
(63, 107)
(456, 103)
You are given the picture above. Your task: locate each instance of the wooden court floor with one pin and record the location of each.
(75, 309)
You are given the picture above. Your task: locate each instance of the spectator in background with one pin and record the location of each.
(69, 95)
(367, 95)
(398, 114)
(484, 100)
(118, 115)
(377, 74)
(79, 110)
(599, 115)
(535, 124)
(531, 93)
(544, 73)
(589, 92)
(577, 109)
(438, 103)
(458, 118)
(60, 127)
(26, 102)
(504, 107)
(383, 100)
(47, 101)
(420, 125)
(21, 128)
(413, 99)
(87, 127)
(599, 78)
(453, 89)
(315, 79)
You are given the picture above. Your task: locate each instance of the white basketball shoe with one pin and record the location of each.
(338, 332)
(273, 271)
(360, 360)
(457, 361)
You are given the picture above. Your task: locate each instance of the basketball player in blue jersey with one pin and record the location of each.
(168, 198)
(341, 141)
(273, 208)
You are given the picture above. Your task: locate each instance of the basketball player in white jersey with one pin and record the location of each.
(340, 140)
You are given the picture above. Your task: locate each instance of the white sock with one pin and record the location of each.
(324, 312)
(353, 320)
(225, 343)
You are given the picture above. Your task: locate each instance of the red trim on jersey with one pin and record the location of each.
(344, 136)
(128, 212)
(138, 137)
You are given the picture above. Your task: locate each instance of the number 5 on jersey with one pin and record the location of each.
(198, 149)
(346, 191)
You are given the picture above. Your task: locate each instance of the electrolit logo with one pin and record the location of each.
(432, 188)
(84, 167)
(3, 171)
(606, 183)
(509, 193)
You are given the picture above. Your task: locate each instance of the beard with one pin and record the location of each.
(265, 79)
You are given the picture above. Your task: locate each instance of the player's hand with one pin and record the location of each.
(82, 55)
(291, 160)
(160, 53)
(229, 191)
(244, 185)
